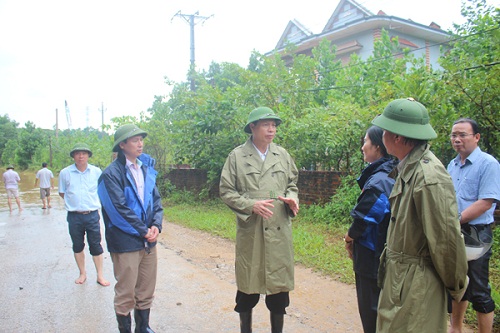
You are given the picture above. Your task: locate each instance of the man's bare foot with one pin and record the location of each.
(103, 282)
(50, 206)
(81, 279)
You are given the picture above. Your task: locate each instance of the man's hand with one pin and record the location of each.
(152, 234)
(348, 245)
(260, 208)
(292, 204)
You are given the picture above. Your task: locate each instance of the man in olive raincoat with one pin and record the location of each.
(425, 252)
(259, 183)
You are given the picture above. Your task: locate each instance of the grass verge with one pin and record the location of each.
(316, 245)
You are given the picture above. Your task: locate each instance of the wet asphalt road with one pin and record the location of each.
(38, 293)
(38, 270)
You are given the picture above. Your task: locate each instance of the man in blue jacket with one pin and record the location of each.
(133, 214)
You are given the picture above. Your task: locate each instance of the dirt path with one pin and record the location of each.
(318, 304)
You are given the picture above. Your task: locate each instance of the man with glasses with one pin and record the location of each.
(476, 177)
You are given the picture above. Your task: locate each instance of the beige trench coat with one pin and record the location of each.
(264, 248)
(425, 251)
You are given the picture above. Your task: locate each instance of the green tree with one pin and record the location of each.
(9, 152)
(472, 71)
(30, 140)
(8, 131)
(98, 141)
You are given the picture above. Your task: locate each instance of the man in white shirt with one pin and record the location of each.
(11, 179)
(46, 178)
(78, 188)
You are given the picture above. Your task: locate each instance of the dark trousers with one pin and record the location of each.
(479, 291)
(81, 224)
(275, 303)
(367, 293)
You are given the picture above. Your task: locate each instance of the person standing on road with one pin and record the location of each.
(46, 178)
(11, 180)
(425, 252)
(365, 238)
(78, 188)
(259, 184)
(133, 216)
(476, 177)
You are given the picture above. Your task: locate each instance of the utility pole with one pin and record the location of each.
(192, 19)
(57, 123)
(102, 116)
(50, 150)
(68, 115)
(87, 116)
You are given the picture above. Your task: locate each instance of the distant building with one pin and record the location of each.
(354, 29)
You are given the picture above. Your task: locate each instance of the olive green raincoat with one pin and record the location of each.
(425, 252)
(264, 249)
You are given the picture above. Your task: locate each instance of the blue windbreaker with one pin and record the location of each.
(126, 218)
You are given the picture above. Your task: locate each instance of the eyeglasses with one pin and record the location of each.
(460, 135)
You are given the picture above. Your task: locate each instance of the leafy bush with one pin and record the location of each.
(336, 213)
(165, 186)
(178, 197)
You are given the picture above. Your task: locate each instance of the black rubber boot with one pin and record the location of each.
(124, 323)
(246, 322)
(142, 321)
(277, 322)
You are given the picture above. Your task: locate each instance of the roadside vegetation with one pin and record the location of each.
(326, 105)
(317, 236)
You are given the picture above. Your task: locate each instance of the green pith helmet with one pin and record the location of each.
(261, 113)
(10, 167)
(406, 117)
(80, 147)
(124, 132)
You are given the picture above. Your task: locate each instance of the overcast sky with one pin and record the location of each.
(116, 53)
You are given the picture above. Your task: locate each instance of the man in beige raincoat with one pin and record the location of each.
(425, 252)
(259, 183)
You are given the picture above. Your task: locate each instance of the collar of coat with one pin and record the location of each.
(146, 160)
(252, 157)
(417, 155)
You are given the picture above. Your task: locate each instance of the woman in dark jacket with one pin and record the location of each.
(366, 237)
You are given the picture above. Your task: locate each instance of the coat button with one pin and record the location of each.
(266, 228)
(279, 228)
(393, 218)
